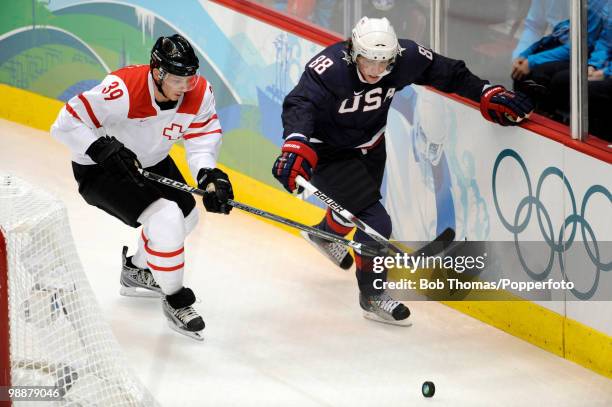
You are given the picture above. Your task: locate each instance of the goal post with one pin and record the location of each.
(52, 331)
(5, 370)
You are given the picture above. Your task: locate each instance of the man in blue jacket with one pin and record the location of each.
(555, 48)
(599, 85)
(546, 63)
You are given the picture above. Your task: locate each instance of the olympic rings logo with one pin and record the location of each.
(575, 219)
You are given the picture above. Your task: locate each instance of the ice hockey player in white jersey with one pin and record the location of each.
(130, 121)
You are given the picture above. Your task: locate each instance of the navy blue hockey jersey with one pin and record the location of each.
(331, 104)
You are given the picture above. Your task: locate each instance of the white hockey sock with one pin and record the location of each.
(139, 259)
(167, 267)
(162, 240)
(191, 221)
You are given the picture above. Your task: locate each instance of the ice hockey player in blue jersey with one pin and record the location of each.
(334, 129)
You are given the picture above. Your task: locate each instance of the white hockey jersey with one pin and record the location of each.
(123, 106)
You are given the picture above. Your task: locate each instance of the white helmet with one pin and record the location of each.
(374, 38)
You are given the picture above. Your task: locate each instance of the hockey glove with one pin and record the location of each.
(115, 158)
(505, 107)
(297, 158)
(217, 190)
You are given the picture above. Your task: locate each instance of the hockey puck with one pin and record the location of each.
(428, 389)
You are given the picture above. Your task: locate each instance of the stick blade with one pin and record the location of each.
(439, 244)
(447, 235)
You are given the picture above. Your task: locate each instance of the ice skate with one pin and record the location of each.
(184, 320)
(383, 308)
(136, 282)
(337, 253)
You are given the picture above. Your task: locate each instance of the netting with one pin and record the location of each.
(58, 336)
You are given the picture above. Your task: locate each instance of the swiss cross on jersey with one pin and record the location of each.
(173, 131)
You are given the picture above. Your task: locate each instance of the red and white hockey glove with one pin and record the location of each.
(505, 107)
(297, 158)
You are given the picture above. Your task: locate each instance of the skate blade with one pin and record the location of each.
(373, 317)
(138, 292)
(345, 266)
(193, 335)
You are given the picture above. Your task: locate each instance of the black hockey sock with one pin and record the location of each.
(181, 299)
(369, 280)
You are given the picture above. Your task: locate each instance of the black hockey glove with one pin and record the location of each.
(505, 107)
(297, 158)
(217, 190)
(115, 158)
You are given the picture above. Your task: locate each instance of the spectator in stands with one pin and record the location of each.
(599, 88)
(542, 16)
(547, 59)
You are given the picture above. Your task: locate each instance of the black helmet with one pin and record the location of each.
(174, 55)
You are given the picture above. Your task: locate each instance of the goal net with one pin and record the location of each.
(52, 331)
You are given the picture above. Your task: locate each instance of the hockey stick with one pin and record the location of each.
(370, 250)
(439, 244)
